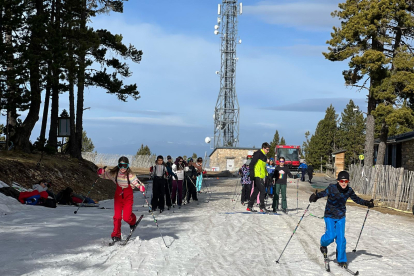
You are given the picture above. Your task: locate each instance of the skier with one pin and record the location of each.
(168, 183)
(159, 177)
(310, 172)
(335, 215)
(246, 182)
(269, 179)
(191, 176)
(280, 175)
(199, 167)
(303, 167)
(124, 198)
(258, 173)
(177, 185)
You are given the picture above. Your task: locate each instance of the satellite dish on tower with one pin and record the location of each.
(207, 140)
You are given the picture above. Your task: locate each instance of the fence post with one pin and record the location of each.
(398, 193)
(374, 188)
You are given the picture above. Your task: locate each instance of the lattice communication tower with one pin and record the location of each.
(226, 114)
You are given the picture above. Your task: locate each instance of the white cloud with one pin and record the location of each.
(304, 15)
(164, 121)
(268, 125)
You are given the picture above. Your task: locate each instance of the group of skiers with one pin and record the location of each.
(262, 176)
(175, 182)
(171, 182)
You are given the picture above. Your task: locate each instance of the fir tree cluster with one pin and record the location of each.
(47, 48)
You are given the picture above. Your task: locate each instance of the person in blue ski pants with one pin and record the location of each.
(335, 211)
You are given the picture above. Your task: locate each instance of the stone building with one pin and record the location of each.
(400, 151)
(231, 159)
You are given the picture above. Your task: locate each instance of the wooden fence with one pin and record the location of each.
(393, 187)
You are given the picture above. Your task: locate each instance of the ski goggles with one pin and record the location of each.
(344, 181)
(123, 165)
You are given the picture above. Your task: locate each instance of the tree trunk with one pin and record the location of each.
(81, 87)
(72, 139)
(383, 144)
(54, 114)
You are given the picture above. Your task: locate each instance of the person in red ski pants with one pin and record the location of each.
(124, 195)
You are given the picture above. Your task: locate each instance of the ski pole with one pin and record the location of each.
(152, 213)
(361, 231)
(294, 231)
(86, 195)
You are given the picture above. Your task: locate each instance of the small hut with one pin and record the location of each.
(339, 157)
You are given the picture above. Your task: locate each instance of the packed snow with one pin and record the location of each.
(202, 239)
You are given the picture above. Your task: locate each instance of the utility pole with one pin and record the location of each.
(226, 113)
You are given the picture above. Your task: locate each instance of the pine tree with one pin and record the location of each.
(273, 144)
(194, 156)
(282, 141)
(305, 145)
(144, 150)
(351, 132)
(322, 142)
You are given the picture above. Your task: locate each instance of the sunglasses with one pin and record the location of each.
(281, 161)
(344, 180)
(267, 149)
(123, 165)
(180, 161)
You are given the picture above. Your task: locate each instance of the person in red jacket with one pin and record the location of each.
(124, 197)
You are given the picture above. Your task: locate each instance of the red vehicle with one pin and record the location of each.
(291, 155)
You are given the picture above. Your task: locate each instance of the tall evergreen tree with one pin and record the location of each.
(305, 145)
(282, 141)
(273, 144)
(351, 132)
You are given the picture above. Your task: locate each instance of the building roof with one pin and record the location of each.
(241, 148)
(398, 138)
(339, 151)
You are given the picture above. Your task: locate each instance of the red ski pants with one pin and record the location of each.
(123, 200)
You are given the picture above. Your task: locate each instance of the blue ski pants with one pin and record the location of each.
(199, 182)
(335, 230)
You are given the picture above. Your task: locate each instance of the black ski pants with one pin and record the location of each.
(191, 189)
(259, 187)
(246, 190)
(158, 191)
(310, 174)
(167, 189)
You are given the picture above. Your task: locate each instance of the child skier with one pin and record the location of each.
(246, 182)
(199, 167)
(159, 177)
(270, 167)
(124, 198)
(335, 215)
(177, 185)
(280, 175)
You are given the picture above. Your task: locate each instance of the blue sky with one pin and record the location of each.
(283, 80)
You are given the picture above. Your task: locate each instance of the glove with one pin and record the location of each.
(142, 189)
(313, 198)
(101, 171)
(370, 204)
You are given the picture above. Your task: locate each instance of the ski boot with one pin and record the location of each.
(116, 239)
(248, 209)
(324, 251)
(343, 265)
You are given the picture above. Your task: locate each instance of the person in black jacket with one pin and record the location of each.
(280, 175)
(334, 217)
(310, 172)
(191, 178)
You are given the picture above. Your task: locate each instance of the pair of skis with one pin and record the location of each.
(124, 242)
(328, 268)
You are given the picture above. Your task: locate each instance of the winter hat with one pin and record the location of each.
(271, 158)
(343, 175)
(168, 157)
(249, 157)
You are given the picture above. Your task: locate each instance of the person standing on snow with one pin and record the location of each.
(303, 167)
(246, 182)
(310, 172)
(334, 217)
(269, 179)
(177, 185)
(191, 176)
(124, 197)
(280, 175)
(199, 167)
(159, 177)
(168, 183)
(258, 173)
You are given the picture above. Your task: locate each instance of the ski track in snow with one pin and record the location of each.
(202, 239)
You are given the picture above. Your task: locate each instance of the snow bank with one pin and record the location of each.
(10, 205)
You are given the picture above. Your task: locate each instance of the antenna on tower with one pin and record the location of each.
(226, 114)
